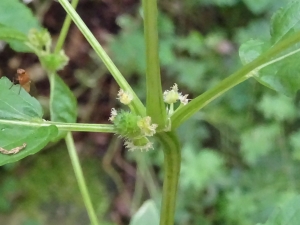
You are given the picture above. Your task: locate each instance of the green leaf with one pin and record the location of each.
(193, 43)
(278, 107)
(128, 52)
(21, 106)
(63, 104)
(201, 168)
(9, 33)
(294, 141)
(14, 38)
(284, 75)
(17, 106)
(286, 215)
(258, 6)
(17, 16)
(146, 215)
(285, 22)
(255, 143)
(36, 138)
(251, 50)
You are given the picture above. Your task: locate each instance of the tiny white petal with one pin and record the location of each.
(124, 97)
(113, 114)
(183, 99)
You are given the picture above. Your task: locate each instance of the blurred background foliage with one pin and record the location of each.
(240, 154)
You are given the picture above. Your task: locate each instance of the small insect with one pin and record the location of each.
(14, 150)
(24, 80)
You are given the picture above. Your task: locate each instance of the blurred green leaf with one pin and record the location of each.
(285, 22)
(257, 29)
(294, 140)
(282, 76)
(251, 50)
(212, 2)
(146, 215)
(287, 214)
(17, 16)
(128, 51)
(63, 104)
(17, 106)
(9, 33)
(200, 168)
(277, 107)
(258, 6)
(190, 73)
(259, 141)
(8, 187)
(235, 214)
(128, 48)
(193, 43)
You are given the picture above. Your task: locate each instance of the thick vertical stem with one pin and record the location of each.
(172, 161)
(155, 104)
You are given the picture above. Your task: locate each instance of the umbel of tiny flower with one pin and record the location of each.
(146, 127)
(124, 97)
(171, 96)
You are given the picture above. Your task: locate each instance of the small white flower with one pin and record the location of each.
(146, 127)
(183, 99)
(113, 114)
(175, 87)
(131, 146)
(171, 96)
(124, 97)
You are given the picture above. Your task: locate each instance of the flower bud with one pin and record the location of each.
(124, 97)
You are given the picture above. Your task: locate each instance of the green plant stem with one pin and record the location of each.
(65, 29)
(80, 179)
(155, 104)
(69, 138)
(84, 127)
(172, 160)
(241, 75)
(51, 77)
(136, 102)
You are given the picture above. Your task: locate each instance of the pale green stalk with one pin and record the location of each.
(80, 179)
(69, 139)
(83, 127)
(184, 113)
(65, 28)
(138, 106)
(155, 104)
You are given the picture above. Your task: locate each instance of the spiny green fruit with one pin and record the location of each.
(126, 124)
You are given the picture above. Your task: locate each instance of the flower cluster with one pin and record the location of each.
(134, 128)
(172, 96)
(124, 97)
